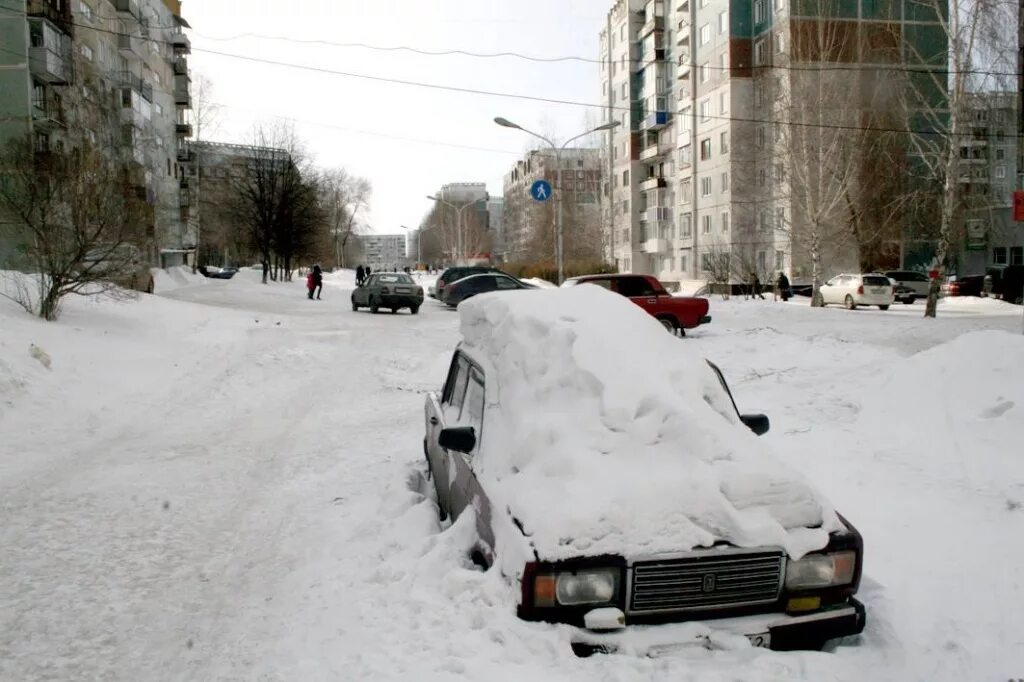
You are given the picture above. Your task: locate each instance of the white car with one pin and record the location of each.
(854, 290)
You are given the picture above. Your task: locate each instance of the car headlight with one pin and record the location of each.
(574, 588)
(821, 570)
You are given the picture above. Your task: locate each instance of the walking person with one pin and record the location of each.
(359, 276)
(755, 286)
(310, 284)
(782, 284)
(318, 281)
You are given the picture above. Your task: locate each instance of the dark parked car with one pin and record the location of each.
(388, 290)
(450, 275)
(214, 272)
(916, 282)
(1008, 283)
(969, 285)
(676, 313)
(467, 287)
(588, 518)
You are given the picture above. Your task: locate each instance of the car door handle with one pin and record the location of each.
(434, 421)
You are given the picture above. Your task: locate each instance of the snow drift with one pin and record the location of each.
(604, 434)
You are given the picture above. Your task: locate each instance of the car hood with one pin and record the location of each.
(603, 434)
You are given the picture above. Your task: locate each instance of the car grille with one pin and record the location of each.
(706, 582)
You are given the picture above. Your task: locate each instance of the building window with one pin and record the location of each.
(625, 178)
(762, 177)
(780, 173)
(705, 149)
(87, 52)
(625, 91)
(685, 225)
(723, 143)
(684, 120)
(705, 224)
(725, 221)
(999, 255)
(723, 102)
(685, 156)
(705, 261)
(760, 15)
(780, 219)
(723, 22)
(1000, 154)
(758, 94)
(780, 260)
(705, 34)
(725, 181)
(759, 53)
(705, 186)
(780, 42)
(780, 5)
(85, 10)
(684, 263)
(685, 190)
(704, 73)
(705, 110)
(759, 137)
(1000, 171)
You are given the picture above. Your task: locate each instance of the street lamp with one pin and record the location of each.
(419, 243)
(559, 248)
(458, 217)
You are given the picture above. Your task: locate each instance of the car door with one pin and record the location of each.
(443, 410)
(506, 283)
(638, 290)
(360, 292)
(480, 284)
(471, 414)
(829, 290)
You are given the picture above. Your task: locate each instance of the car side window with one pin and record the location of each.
(485, 283)
(635, 287)
(603, 283)
(505, 283)
(473, 405)
(455, 388)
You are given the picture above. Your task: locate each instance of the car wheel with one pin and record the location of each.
(669, 324)
(414, 309)
(908, 301)
(394, 310)
(883, 307)
(354, 306)
(373, 306)
(849, 302)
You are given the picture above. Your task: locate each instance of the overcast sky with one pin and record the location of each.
(353, 122)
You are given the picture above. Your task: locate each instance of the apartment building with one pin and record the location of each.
(113, 72)
(496, 228)
(383, 251)
(529, 224)
(700, 171)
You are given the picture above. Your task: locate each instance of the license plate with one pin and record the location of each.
(400, 290)
(762, 640)
(878, 290)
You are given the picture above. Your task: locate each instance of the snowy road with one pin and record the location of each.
(220, 483)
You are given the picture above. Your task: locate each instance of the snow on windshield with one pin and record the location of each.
(606, 434)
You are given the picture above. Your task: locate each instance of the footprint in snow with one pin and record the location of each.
(997, 410)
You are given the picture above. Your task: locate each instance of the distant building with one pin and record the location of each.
(383, 251)
(496, 228)
(529, 224)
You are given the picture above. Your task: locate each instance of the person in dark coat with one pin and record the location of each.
(359, 276)
(755, 286)
(318, 282)
(782, 284)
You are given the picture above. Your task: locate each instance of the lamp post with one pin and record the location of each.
(458, 224)
(559, 247)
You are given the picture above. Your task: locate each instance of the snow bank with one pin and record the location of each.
(169, 279)
(540, 283)
(604, 434)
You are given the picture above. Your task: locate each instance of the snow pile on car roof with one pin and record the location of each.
(605, 434)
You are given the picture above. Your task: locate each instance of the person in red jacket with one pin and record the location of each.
(310, 283)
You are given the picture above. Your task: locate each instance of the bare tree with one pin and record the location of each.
(978, 42)
(74, 219)
(206, 112)
(343, 197)
(717, 263)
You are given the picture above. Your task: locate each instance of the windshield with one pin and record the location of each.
(395, 279)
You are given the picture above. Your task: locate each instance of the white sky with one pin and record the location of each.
(402, 172)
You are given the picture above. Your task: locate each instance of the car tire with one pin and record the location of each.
(850, 303)
(670, 325)
(355, 308)
(907, 301)
(373, 306)
(883, 307)
(394, 310)
(414, 309)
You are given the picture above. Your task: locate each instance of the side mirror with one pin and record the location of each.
(758, 423)
(458, 439)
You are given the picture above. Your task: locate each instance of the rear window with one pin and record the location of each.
(877, 281)
(394, 279)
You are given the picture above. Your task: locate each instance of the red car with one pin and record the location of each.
(676, 313)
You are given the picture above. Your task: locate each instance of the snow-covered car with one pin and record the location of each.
(618, 488)
(854, 290)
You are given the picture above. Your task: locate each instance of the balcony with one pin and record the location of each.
(130, 46)
(657, 214)
(133, 118)
(182, 90)
(656, 120)
(127, 9)
(136, 83)
(683, 70)
(651, 57)
(651, 184)
(181, 43)
(654, 246)
(180, 65)
(58, 13)
(683, 32)
(48, 113)
(654, 151)
(184, 154)
(49, 65)
(655, 23)
(183, 129)
(683, 6)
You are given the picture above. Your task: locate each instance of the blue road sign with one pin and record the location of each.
(540, 190)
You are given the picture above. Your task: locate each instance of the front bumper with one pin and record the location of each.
(776, 631)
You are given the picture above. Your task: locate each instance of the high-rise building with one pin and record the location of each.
(383, 251)
(496, 228)
(699, 172)
(114, 72)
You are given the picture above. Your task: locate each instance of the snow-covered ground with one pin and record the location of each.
(223, 482)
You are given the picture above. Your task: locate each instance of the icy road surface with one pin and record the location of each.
(223, 482)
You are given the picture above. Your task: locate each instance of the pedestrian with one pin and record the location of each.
(359, 276)
(367, 272)
(782, 285)
(318, 281)
(755, 285)
(310, 284)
